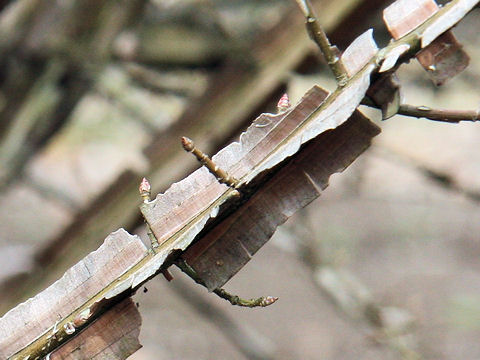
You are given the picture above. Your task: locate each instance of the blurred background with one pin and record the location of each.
(95, 94)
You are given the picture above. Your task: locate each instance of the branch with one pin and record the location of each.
(199, 202)
(232, 95)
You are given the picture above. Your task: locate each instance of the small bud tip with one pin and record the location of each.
(144, 187)
(283, 103)
(269, 300)
(187, 143)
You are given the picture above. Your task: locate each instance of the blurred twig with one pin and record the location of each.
(392, 325)
(440, 178)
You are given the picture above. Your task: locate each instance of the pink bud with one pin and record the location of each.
(144, 187)
(283, 103)
(269, 300)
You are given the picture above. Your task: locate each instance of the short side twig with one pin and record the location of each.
(318, 35)
(250, 342)
(442, 115)
(221, 175)
(450, 116)
(233, 299)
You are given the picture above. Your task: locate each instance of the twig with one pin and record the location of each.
(233, 299)
(252, 344)
(450, 116)
(318, 35)
(447, 181)
(442, 115)
(221, 175)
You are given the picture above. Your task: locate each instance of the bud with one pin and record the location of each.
(144, 190)
(187, 144)
(69, 328)
(283, 103)
(269, 300)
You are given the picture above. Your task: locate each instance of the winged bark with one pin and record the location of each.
(114, 336)
(444, 57)
(232, 243)
(44, 313)
(275, 156)
(267, 142)
(233, 94)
